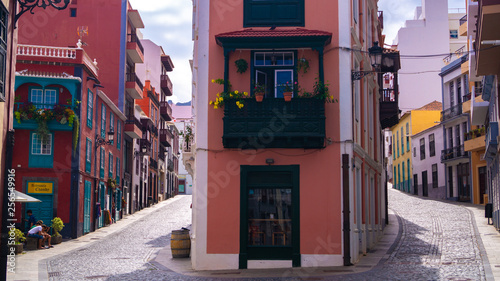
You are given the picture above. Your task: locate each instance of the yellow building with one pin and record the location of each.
(412, 122)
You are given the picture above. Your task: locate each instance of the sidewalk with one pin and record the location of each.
(32, 265)
(376, 256)
(490, 238)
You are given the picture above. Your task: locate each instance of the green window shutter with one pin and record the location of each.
(118, 133)
(118, 170)
(101, 169)
(90, 108)
(103, 190)
(110, 170)
(88, 155)
(274, 12)
(103, 121)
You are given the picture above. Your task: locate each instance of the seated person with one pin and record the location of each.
(37, 232)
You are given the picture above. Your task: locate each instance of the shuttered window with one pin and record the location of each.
(273, 13)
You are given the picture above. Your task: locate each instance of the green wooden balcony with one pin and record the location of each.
(274, 123)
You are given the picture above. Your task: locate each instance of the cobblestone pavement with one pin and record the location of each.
(438, 241)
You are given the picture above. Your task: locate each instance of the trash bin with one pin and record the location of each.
(180, 243)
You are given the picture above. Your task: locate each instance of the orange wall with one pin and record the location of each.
(320, 184)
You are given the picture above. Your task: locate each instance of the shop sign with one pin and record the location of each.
(40, 187)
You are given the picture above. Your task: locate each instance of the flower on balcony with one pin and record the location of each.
(222, 97)
(28, 111)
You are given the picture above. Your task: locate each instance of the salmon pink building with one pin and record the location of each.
(288, 183)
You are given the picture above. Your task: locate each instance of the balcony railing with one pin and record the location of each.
(132, 77)
(491, 140)
(165, 110)
(45, 51)
(153, 163)
(451, 112)
(274, 123)
(133, 120)
(166, 137)
(166, 84)
(161, 153)
(170, 165)
(453, 153)
(133, 38)
(463, 19)
(27, 114)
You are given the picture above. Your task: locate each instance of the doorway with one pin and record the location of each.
(425, 188)
(269, 227)
(482, 184)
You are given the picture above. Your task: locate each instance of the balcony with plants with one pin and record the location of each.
(454, 153)
(474, 139)
(287, 122)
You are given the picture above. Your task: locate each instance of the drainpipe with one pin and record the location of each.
(346, 210)
(75, 168)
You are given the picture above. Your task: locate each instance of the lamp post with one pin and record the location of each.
(375, 53)
(99, 141)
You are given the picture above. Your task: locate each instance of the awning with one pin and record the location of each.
(277, 38)
(24, 198)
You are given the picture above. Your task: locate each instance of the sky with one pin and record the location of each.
(168, 24)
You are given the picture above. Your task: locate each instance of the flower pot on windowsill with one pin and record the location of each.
(287, 96)
(259, 97)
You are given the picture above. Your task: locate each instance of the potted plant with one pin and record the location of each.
(18, 240)
(288, 90)
(111, 183)
(57, 225)
(322, 91)
(302, 65)
(259, 91)
(242, 65)
(222, 97)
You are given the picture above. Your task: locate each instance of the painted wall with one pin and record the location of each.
(419, 166)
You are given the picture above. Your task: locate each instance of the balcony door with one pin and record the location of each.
(274, 70)
(269, 214)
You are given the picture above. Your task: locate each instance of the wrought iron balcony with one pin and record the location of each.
(166, 111)
(134, 85)
(166, 137)
(274, 123)
(166, 85)
(153, 164)
(453, 153)
(170, 165)
(451, 112)
(161, 153)
(491, 140)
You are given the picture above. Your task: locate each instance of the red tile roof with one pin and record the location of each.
(433, 106)
(253, 33)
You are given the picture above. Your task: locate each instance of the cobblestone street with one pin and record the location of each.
(437, 240)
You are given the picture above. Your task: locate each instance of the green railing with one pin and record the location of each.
(274, 123)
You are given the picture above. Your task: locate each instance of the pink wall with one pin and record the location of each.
(320, 184)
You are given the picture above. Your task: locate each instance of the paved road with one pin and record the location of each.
(438, 241)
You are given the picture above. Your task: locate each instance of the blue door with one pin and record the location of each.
(42, 210)
(86, 207)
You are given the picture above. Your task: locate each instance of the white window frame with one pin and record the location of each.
(35, 142)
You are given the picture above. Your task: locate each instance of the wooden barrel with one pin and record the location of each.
(180, 243)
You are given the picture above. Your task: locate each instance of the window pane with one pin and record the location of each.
(50, 98)
(270, 217)
(282, 77)
(288, 58)
(37, 97)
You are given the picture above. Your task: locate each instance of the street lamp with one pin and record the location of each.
(375, 54)
(99, 141)
(29, 5)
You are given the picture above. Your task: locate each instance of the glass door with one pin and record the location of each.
(269, 214)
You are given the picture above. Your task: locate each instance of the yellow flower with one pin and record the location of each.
(236, 92)
(211, 102)
(218, 94)
(238, 102)
(215, 107)
(213, 80)
(231, 95)
(245, 93)
(331, 97)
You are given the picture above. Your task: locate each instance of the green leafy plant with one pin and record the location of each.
(322, 91)
(57, 225)
(19, 236)
(241, 65)
(223, 96)
(111, 183)
(259, 88)
(302, 65)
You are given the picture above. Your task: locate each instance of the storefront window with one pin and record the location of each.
(269, 217)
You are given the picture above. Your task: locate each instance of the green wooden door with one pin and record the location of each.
(102, 190)
(42, 210)
(86, 207)
(269, 214)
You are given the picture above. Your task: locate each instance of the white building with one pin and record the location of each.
(183, 121)
(432, 31)
(428, 171)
